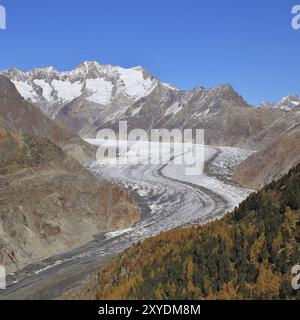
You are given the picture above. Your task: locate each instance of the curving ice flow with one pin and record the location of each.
(168, 198)
(174, 197)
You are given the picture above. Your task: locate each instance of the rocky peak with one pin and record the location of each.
(7, 88)
(289, 102)
(91, 70)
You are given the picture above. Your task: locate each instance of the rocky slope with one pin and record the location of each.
(279, 152)
(224, 115)
(20, 115)
(95, 96)
(49, 204)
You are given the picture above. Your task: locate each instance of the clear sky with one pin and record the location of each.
(249, 44)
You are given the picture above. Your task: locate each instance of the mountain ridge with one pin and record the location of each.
(94, 96)
(99, 96)
(21, 116)
(279, 151)
(93, 69)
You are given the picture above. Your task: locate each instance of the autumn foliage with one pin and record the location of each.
(248, 254)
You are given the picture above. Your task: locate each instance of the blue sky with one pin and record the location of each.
(249, 44)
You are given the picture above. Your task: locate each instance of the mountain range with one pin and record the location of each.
(95, 96)
(288, 103)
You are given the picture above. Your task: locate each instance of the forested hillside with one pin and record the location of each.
(248, 254)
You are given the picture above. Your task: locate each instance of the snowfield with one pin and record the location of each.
(100, 89)
(96, 83)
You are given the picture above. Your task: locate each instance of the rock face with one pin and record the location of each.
(21, 116)
(279, 152)
(49, 204)
(95, 96)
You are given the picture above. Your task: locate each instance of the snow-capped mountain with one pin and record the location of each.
(99, 84)
(20, 116)
(288, 103)
(95, 96)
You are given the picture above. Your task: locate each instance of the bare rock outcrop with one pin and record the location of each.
(279, 152)
(50, 204)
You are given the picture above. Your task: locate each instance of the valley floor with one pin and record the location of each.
(169, 199)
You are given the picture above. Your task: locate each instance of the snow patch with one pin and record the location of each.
(117, 233)
(101, 91)
(25, 90)
(66, 90)
(136, 111)
(170, 86)
(175, 108)
(135, 84)
(47, 89)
